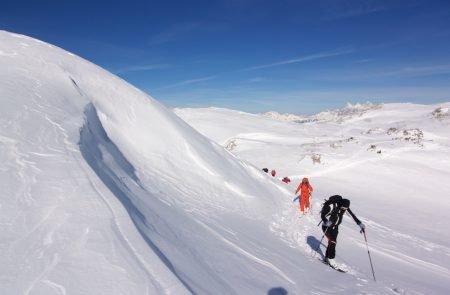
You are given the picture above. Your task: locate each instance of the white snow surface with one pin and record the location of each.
(105, 191)
(391, 160)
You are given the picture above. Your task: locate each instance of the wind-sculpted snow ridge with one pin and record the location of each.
(64, 232)
(105, 191)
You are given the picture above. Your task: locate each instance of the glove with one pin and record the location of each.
(363, 227)
(327, 224)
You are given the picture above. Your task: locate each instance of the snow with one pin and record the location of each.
(105, 191)
(392, 162)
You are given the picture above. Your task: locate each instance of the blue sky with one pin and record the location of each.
(300, 56)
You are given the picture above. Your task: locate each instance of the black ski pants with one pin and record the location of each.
(331, 233)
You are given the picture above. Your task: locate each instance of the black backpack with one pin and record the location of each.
(331, 200)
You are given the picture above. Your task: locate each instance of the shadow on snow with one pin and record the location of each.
(313, 242)
(115, 171)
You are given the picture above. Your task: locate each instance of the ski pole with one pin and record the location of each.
(370, 259)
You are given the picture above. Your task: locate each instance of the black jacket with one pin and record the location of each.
(334, 212)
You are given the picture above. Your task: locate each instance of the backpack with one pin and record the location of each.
(331, 200)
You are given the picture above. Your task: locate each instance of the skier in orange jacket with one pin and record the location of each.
(305, 192)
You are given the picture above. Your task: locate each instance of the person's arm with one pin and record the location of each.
(353, 216)
(298, 188)
(358, 222)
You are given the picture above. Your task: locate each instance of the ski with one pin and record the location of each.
(338, 269)
(335, 268)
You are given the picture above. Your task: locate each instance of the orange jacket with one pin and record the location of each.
(304, 187)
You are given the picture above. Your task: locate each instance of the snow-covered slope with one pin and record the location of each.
(391, 160)
(105, 191)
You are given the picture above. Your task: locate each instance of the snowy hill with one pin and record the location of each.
(391, 160)
(105, 191)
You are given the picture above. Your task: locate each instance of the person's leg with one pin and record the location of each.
(302, 204)
(307, 202)
(331, 234)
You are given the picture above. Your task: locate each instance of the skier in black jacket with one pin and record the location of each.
(332, 212)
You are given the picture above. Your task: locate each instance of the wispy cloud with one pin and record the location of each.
(427, 70)
(301, 59)
(418, 71)
(140, 68)
(380, 74)
(342, 9)
(188, 82)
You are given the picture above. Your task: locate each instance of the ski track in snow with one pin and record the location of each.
(414, 262)
(298, 231)
(385, 247)
(295, 230)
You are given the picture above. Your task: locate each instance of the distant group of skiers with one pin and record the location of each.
(331, 215)
(273, 173)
